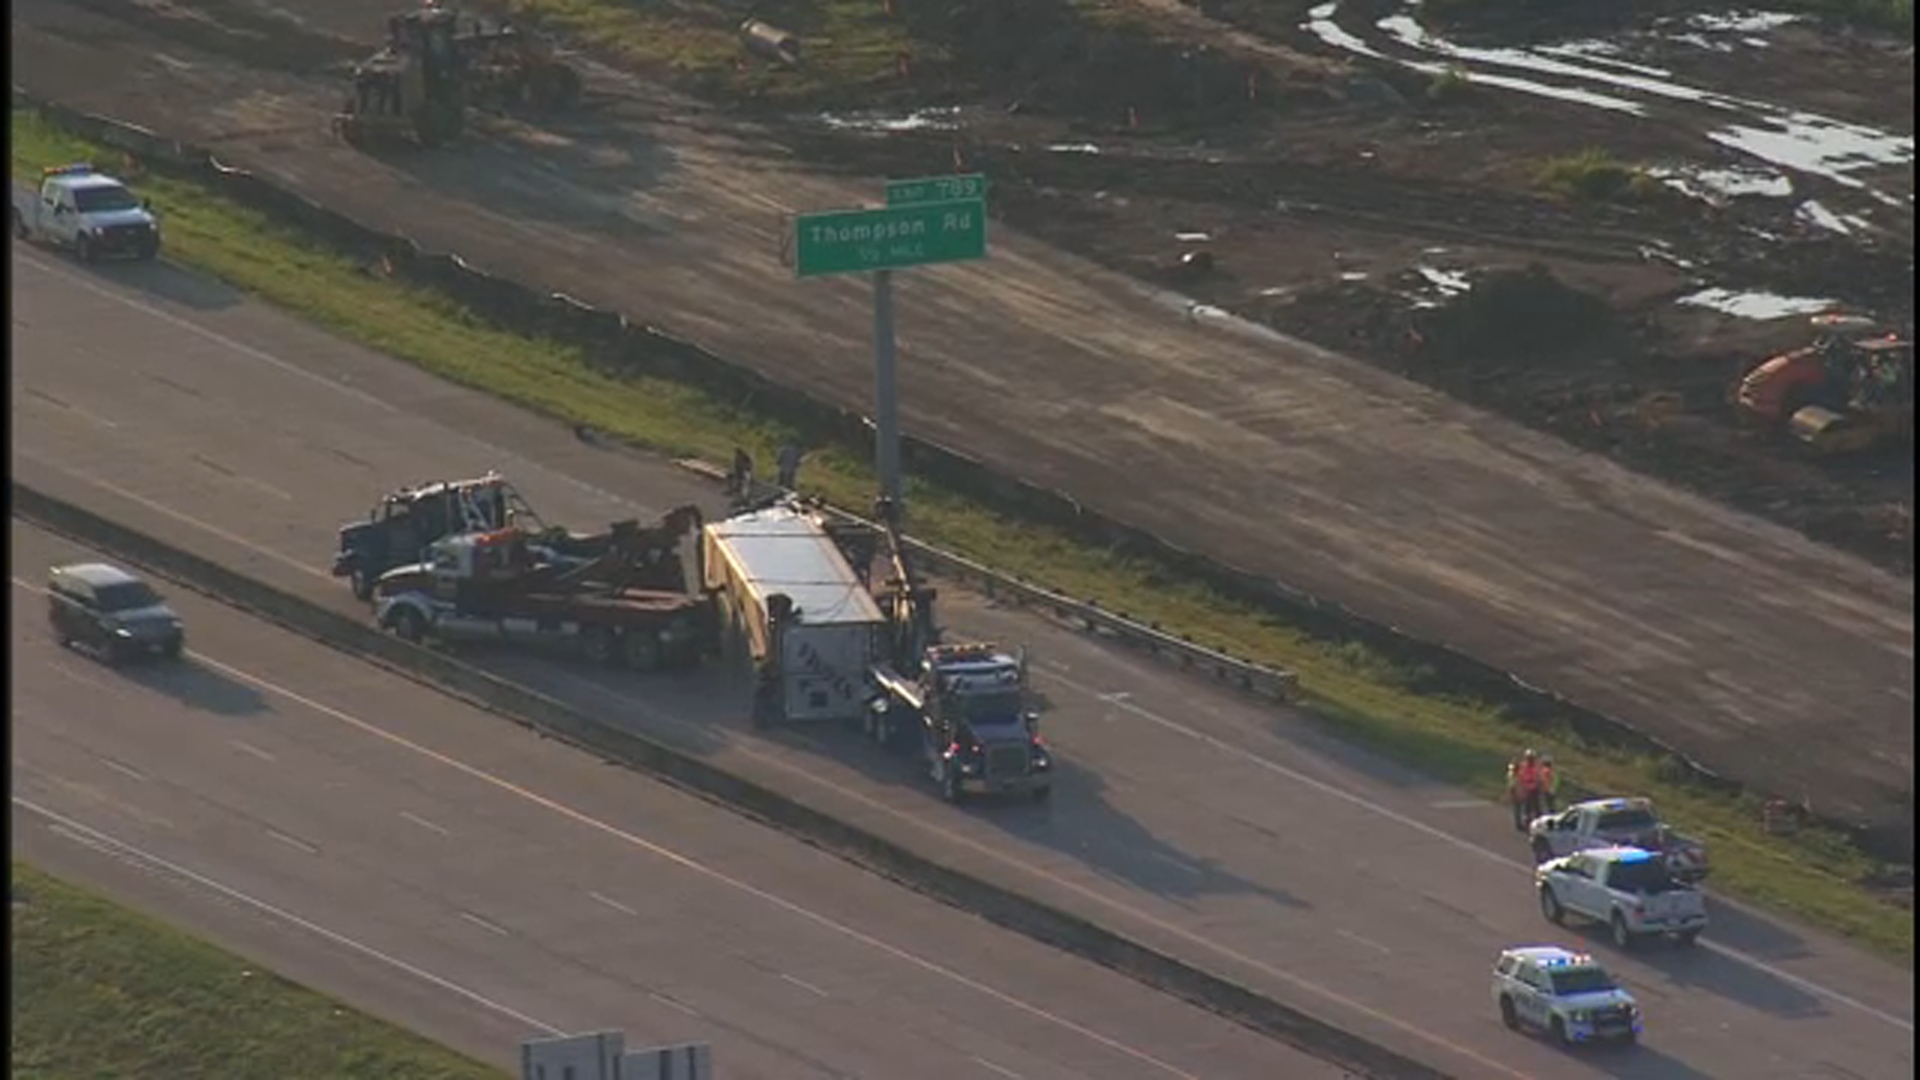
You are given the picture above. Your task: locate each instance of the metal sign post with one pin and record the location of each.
(886, 397)
(931, 220)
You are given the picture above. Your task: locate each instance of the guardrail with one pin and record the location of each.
(612, 342)
(1032, 918)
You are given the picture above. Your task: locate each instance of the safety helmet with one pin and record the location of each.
(1529, 755)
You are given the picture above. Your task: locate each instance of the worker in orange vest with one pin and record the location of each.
(1549, 784)
(1523, 788)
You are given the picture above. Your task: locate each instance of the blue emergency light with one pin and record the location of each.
(78, 168)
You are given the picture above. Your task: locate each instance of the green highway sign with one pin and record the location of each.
(929, 189)
(853, 241)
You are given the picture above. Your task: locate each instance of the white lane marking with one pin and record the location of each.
(693, 865)
(1179, 864)
(293, 842)
(210, 335)
(1001, 1069)
(124, 770)
(252, 749)
(672, 1004)
(1465, 845)
(483, 924)
(300, 372)
(1118, 697)
(1368, 942)
(84, 414)
(176, 515)
(612, 903)
(804, 984)
(100, 841)
(424, 823)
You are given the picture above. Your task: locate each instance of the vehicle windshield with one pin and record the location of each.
(126, 596)
(1635, 820)
(93, 200)
(1647, 877)
(1591, 980)
(991, 707)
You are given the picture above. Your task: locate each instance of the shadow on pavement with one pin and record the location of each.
(165, 281)
(1703, 970)
(1638, 1062)
(196, 686)
(1740, 929)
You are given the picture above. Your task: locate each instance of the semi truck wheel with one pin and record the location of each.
(642, 650)
(409, 626)
(597, 642)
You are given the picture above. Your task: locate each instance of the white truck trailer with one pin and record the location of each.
(789, 600)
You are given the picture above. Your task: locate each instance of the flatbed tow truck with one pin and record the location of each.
(628, 606)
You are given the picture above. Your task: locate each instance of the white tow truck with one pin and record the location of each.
(1628, 889)
(1563, 993)
(1617, 822)
(88, 212)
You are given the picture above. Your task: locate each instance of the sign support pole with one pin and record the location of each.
(886, 402)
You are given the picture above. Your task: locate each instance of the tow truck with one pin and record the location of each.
(629, 605)
(966, 703)
(89, 213)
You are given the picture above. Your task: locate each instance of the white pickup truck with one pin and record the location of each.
(1617, 823)
(1626, 888)
(89, 212)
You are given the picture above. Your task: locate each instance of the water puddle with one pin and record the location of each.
(1757, 305)
(1813, 213)
(1588, 73)
(1742, 22)
(939, 119)
(1448, 283)
(1073, 148)
(1715, 185)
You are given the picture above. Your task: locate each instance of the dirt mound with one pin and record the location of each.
(1506, 313)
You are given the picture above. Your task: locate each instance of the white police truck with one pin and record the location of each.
(1629, 890)
(1563, 993)
(89, 213)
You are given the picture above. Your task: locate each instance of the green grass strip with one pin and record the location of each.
(1816, 876)
(102, 991)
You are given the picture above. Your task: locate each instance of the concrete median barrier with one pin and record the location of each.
(551, 718)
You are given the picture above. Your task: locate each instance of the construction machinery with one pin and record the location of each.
(507, 66)
(626, 605)
(435, 63)
(414, 88)
(1851, 390)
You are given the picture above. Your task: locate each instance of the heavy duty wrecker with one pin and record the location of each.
(962, 707)
(627, 605)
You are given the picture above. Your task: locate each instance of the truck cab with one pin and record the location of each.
(977, 735)
(400, 527)
(1625, 888)
(90, 213)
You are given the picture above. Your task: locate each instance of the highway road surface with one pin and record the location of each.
(381, 841)
(1229, 833)
(1705, 627)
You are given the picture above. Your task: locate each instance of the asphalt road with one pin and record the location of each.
(532, 889)
(1229, 833)
(1767, 656)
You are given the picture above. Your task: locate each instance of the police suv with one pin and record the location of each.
(1563, 993)
(89, 212)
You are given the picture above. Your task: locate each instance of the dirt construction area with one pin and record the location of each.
(1232, 240)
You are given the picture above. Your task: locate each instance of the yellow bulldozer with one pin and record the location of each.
(435, 63)
(1849, 391)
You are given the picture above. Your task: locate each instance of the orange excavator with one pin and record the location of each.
(1851, 390)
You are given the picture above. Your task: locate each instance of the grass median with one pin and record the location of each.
(99, 990)
(1352, 692)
